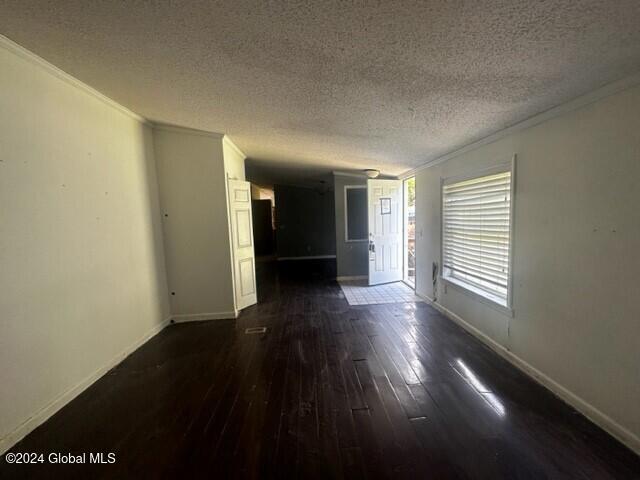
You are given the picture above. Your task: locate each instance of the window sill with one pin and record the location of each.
(480, 295)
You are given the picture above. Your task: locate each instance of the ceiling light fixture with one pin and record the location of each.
(371, 172)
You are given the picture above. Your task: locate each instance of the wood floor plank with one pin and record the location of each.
(329, 391)
(286, 457)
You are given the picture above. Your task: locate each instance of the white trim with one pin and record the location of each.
(233, 146)
(346, 215)
(426, 298)
(25, 54)
(348, 174)
(557, 111)
(409, 284)
(475, 292)
(61, 400)
(312, 257)
(351, 277)
(599, 418)
(189, 131)
(405, 233)
(34, 59)
(512, 231)
(198, 317)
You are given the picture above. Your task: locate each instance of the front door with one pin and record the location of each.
(385, 230)
(244, 268)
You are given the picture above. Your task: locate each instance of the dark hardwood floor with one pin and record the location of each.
(329, 391)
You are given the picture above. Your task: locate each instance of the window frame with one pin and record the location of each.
(506, 306)
(346, 215)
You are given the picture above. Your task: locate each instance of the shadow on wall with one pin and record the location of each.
(152, 195)
(305, 221)
(84, 250)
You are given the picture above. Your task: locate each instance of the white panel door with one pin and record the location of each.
(244, 268)
(385, 230)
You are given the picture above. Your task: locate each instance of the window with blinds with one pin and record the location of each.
(476, 216)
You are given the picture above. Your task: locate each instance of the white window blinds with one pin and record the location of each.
(476, 233)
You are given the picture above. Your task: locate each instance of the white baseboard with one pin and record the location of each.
(602, 420)
(313, 257)
(428, 299)
(49, 410)
(199, 317)
(352, 277)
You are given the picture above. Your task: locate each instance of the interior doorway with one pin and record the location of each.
(409, 243)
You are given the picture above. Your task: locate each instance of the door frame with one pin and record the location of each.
(405, 237)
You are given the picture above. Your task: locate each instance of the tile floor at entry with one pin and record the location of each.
(357, 292)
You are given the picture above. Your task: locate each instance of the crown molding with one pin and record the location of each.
(349, 174)
(227, 141)
(557, 111)
(167, 127)
(34, 59)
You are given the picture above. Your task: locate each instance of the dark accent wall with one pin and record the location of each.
(352, 258)
(356, 214)
(263, 235)
(305, 221)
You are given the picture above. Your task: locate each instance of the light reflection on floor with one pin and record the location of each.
(485, 393)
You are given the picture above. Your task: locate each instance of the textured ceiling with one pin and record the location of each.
(344, 85)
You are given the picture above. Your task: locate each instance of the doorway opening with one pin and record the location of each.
(409, 243)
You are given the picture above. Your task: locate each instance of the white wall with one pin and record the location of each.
(191, 172)
(82, 276)
(577, 234)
